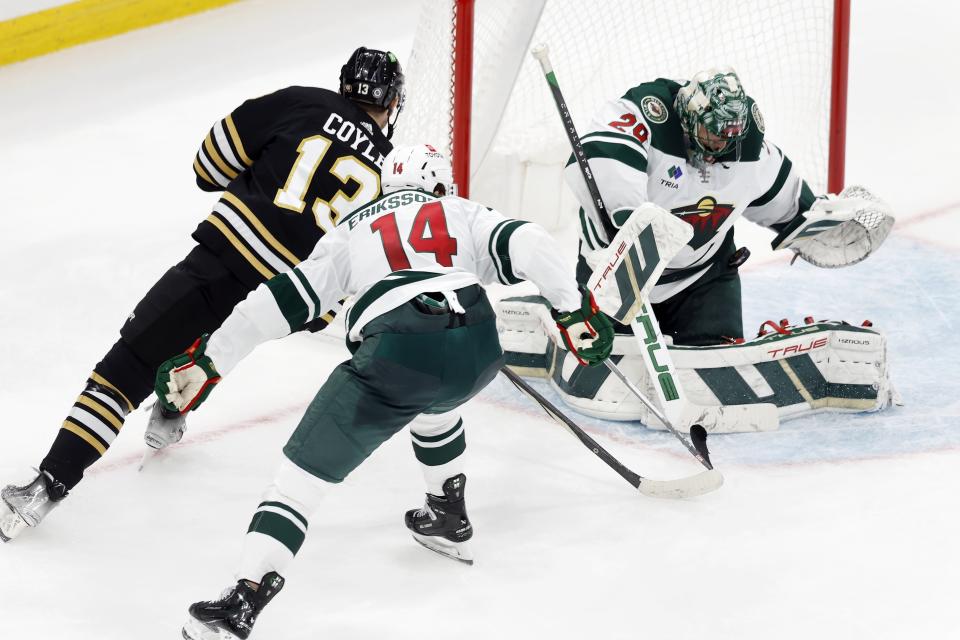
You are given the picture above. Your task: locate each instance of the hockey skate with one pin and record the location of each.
(234, 614)
(442, 524)
(26, 506)
(164, 428)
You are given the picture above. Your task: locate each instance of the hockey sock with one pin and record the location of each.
(279, 525)
(438, 443)
(88, 431)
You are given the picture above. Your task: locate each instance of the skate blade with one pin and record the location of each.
(459, 551)
(193, 629)
(148, 455)
(11, 524)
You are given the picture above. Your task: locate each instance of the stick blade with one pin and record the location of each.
(698, 437)
(690, 487)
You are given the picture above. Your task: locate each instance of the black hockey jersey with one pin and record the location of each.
(290, 164)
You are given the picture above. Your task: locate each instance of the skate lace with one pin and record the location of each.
(425, 511)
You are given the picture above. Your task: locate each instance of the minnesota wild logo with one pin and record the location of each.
(654, 109)
(757, 117)
(705, 217)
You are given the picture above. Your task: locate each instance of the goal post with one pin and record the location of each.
(838, 95)
(474, 91)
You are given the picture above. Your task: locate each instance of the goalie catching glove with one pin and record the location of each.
(185, 381)
(586, 332)
(839, 230)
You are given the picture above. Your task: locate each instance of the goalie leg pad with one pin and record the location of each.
(825, 366)
(522, 336)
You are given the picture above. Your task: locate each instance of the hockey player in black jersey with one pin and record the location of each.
(289, 164)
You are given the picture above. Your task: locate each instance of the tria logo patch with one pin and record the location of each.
(674, 172)
(705, 216)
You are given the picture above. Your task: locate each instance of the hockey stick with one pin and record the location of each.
(698, 435)
(695, 485)
(657, 370)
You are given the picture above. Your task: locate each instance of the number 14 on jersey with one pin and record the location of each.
(430, 216)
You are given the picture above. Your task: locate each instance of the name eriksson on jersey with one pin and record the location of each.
(394, 201)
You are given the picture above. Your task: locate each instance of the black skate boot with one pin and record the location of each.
(234, 614)
(442, 524)
(24, 507)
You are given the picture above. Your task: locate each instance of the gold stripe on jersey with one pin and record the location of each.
(214, 154)
(96, 377)
(83, 435)
(238, 205)
(200, 171)
(240, 247)
(102, 411)
(237, 144)
(222, 141)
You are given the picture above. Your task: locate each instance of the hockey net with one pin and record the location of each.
(783, 51)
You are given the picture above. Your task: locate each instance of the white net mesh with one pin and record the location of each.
(780, 48)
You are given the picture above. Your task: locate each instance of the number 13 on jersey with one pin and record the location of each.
(430, 216)
(345, 168)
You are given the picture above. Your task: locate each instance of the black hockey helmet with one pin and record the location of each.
(372, 77)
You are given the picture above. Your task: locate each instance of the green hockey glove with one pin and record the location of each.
(185, 381)
(586, 332)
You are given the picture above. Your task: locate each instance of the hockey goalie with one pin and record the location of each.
(696, 152)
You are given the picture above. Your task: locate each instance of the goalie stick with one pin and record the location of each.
(668, 392)
(688, 487)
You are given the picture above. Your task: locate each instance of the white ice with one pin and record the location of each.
(837, 527)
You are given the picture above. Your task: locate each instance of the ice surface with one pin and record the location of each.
(835, 526)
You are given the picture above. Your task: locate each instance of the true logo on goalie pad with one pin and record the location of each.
(630, 270)
(667, 384)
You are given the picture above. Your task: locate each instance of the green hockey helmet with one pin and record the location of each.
(714, 112)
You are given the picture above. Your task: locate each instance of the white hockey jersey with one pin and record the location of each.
(386, 253)
(638, 154)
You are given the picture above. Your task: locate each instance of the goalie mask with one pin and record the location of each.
(713, 110)
(417, 166)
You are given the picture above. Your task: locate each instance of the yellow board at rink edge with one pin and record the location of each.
(74, 23)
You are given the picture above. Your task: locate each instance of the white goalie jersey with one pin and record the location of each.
(386, 253)
(637, 152)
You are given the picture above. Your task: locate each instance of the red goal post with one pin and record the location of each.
(474, 91)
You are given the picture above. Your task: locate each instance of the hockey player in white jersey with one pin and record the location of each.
(424, 340)
(698, 150)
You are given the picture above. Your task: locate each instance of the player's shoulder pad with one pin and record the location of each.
(315, 97)
(455, 204)
(325, 100)
(655, 101)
